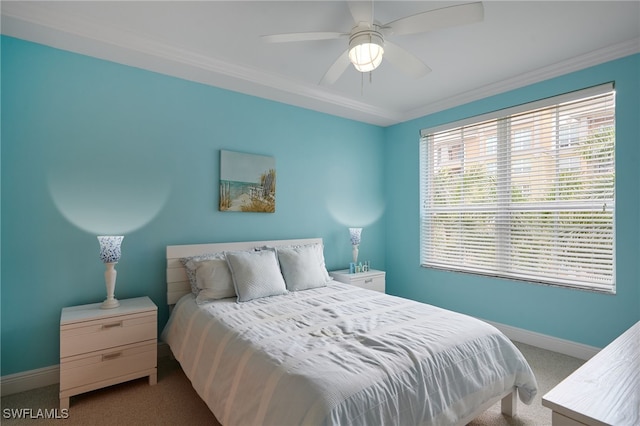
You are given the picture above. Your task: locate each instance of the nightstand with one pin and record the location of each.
(102, 347)
(372, 280)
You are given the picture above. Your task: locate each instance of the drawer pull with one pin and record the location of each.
(108, 326)
(107, 357)
(370, 280)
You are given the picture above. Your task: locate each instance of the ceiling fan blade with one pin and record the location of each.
(362, 11)
(286, 38)
(450, 16)
(335, 71)
(405, 61)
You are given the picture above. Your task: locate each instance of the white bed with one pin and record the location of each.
(337, 354)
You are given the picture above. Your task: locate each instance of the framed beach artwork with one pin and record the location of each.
(247, 182)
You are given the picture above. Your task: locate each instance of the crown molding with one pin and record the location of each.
(577, 63)
(34, 23)
(29, 21)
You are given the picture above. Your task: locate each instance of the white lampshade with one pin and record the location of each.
(110, 248)
(354, 234)
(110, 255)
(366, 50)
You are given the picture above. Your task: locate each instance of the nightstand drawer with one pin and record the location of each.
(371, 280)
(106, 364)
(103, 347)
(105, 333)
(371, 283)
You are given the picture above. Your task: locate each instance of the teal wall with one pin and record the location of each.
(580, 316)
(92, 147)
(80, 134)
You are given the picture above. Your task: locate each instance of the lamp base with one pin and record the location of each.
(110, 304)
(110, 275)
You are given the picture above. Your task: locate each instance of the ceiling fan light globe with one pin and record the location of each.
(366, 57)
(366, 49)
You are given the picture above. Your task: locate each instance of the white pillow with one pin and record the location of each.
(213, 279)
(303, 267)
(255, 274)
(191, 264)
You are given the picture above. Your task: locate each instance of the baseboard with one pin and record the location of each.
(28, 380)
(40, 377)
(550, 343)
(33, 379)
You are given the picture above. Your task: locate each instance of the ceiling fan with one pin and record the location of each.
(368, 39)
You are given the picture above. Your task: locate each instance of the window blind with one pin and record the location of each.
(526, 193)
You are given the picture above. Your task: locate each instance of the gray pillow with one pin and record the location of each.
(255, 274)
(214, 280)
(191, 265)
(303, 267)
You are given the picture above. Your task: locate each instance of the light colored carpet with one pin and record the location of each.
(174, 402)
(550, 368)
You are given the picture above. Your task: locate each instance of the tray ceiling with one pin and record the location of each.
(219, 43)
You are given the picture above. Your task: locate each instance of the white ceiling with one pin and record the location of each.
(218, 43)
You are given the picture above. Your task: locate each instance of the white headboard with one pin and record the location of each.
(177, 281)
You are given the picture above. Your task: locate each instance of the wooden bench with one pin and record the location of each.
(603, 391)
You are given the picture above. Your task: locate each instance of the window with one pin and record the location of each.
(492, 144)
(522, 139)
(525, 193)
(569, 164)
(569, 131)
(521, 166)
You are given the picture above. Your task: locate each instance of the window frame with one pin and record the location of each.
(489, 145)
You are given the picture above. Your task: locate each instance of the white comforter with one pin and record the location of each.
(341, 355)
